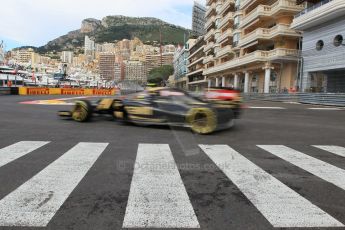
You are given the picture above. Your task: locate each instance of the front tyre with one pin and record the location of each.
(82, 111)
(202, 120)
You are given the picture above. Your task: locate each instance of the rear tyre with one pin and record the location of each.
(202, 120)
(82, 111)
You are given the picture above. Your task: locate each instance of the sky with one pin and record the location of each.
(35, 22)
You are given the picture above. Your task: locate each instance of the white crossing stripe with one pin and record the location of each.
(35, 202)
(15, 151)
(158, 198)
(340, 151)
(279, 204)
(310, 164)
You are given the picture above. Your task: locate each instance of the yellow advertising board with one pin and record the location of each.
(66, 91)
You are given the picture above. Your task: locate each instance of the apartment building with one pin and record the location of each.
(67, 57)
(198, 19)
(250, 46)
(180, 65)
(323, 49)
(196, 80)
(156, 60)
(25, 55)
(135, 71)
(89, 47)
(107, 66)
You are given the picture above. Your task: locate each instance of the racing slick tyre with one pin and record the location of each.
(202, 120)
(82, 111)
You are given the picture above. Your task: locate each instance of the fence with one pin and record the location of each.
(307, 98)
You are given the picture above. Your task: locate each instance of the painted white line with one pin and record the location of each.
(340, 151)
(310, 164)
(326, 109)
(256, 107)
(18, 150)
(158, 198)
(279, 204)
(35, 202)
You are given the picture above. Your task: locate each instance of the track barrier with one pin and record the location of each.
(66, 91)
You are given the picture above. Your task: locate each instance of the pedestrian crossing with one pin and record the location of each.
(158, 197)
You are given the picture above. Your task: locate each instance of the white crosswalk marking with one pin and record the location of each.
(18, 150)
(281, 206)
(310, 164)
(340, 151)
(35, 202)
(158, 198)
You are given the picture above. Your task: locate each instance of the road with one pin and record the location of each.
(264, 173)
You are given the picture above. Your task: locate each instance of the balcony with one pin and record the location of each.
(210, 9)
(209, 46)
(209, 2)
(225, 20)
(209, 35)
(224, 51)
(320, 13)
(196, 62)
(208, 59)
(224, 36)
(309, 9)
(270, 11)
(254, 57)
(245, 3)
(209, 22)
(226, 6)
(262, 33)
(200, 70)
(283, 54)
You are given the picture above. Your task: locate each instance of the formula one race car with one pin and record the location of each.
(211, 111)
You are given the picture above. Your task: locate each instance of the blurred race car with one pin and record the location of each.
(214, 110)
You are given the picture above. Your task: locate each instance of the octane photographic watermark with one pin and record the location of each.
(128, 165)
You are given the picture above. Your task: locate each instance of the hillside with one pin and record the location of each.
(112, 28)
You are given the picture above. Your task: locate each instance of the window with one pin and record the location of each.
(237, 4)
(236, 21)
(338, 40)
(319, 45)
(236, 38)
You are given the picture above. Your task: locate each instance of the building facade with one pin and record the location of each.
(107, 66)
(67, 57)
(196, 80)
(323, 49)
(180, 65)
(198, 19)
(89, 47)
(250, 45)
(156, 60)
(135, 71)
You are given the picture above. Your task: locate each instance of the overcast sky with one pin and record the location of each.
(35, 22)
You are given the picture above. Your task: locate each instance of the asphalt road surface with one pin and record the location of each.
(281, 166)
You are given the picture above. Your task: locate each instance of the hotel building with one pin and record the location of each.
(250, 45)
(323, 49)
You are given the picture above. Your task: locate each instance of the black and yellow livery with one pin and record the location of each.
(159, 106)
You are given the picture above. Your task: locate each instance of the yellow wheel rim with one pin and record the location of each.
(202, 120)
(80, 111)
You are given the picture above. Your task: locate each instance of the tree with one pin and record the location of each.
(160, 74)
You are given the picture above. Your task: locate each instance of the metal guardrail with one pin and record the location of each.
(328, 99)
(5, 91)
(312, 8)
